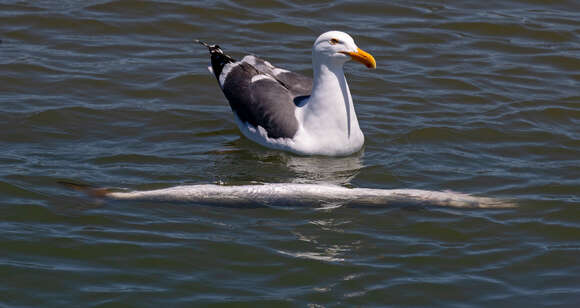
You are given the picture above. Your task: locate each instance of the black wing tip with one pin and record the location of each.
(211, 48)
(203, 43)
(217, 56)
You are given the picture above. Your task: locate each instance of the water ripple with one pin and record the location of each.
(470, 96)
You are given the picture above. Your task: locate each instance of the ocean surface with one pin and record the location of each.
(478, 97)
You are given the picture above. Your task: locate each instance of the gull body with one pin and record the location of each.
(289, 111)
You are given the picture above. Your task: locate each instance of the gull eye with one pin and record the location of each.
(334, 41)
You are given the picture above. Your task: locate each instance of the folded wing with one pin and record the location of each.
(263, 95)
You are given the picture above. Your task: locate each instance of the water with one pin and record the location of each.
(476, 97)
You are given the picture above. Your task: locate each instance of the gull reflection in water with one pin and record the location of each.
(324, 170)
(247, 162)
(328, 170)
(316, 246)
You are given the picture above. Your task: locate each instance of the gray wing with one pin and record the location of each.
(263, 95)
(298, 84)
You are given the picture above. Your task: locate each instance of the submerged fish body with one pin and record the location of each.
(293, 194)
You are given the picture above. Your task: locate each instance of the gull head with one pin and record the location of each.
(336, 48)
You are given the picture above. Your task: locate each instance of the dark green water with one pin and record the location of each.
(479, 97)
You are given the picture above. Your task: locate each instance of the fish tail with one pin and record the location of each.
(91, 191)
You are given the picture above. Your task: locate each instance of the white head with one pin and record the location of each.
(336, 48)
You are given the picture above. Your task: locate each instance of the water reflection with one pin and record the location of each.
(333, 170)
(316, 245)
(245, 161)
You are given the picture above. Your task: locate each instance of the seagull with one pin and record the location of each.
(287, 111)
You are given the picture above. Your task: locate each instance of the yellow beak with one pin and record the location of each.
(362, 57)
